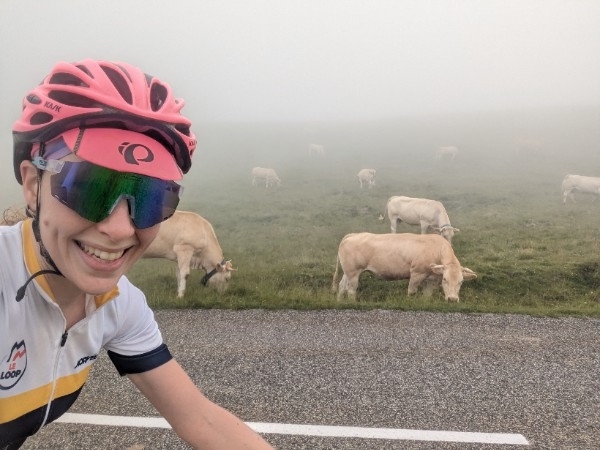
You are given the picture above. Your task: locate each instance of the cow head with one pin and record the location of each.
(447, 231)
(453, 276)
(219, 277)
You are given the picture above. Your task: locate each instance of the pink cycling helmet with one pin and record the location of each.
(102, 94)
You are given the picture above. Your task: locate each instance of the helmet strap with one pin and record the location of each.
(36, 220)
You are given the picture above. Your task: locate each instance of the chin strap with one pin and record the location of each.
(38, 237)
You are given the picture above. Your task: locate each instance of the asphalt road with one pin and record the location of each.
(539, 377)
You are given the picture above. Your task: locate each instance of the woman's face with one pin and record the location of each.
(92, 256)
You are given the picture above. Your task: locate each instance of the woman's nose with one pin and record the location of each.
(118, 224)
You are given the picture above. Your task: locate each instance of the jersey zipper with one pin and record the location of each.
(63, 341)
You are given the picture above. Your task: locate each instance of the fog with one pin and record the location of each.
(317, 62)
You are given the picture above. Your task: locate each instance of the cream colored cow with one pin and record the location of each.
(448, 152)
(367, 177)
(316, 150)
(190, 240)
(429, 214)
(420, 258)
(579, 183)
(269, 176)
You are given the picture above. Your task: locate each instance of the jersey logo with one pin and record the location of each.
(85, 360)
(12, 367)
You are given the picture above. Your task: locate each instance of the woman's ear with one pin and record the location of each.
(29, 176)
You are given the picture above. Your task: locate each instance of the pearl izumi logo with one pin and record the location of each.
(135, 153)
(12, 367)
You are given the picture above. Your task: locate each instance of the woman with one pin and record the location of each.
(98, 149)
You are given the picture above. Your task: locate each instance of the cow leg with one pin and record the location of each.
(567, 194)
(348, 286)
(342, 287)
(184, 257)
(424, 227)
(415, 281)
(431, 283)
(393, 223)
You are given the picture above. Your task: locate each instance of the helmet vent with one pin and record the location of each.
(40, 118)
(68, 98)
(183, 129)
(119, 83)
(158, 95)
(85, 70)
(66, 79)
(34, 99)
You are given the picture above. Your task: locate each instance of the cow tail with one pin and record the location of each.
(382, 216)
(334, 283)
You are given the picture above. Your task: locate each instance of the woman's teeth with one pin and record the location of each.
(106, 256)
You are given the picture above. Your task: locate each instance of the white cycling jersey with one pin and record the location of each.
(43, 366)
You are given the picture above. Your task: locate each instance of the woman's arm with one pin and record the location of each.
(197, 420)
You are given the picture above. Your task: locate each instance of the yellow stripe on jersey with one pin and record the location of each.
(14, 407)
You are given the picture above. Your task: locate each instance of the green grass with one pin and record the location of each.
(533, 255)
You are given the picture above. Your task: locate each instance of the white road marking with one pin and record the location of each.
(315, 430)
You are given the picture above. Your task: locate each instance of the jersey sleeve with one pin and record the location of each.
(135, 345)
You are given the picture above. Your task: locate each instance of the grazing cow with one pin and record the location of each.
(448, 152)
(267, 175)
(367, 176)
(579, 183)
(419, 258)
(190, 241)
(316, 149)
(429, 214)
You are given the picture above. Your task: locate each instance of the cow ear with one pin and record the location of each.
(468, 274)
(437, 268)
(229, 266)
(456, 230)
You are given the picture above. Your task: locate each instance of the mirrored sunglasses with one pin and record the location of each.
(94, 191)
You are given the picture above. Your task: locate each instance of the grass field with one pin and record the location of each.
(532, 253)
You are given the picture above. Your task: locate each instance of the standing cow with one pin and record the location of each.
(579, 183)
(419, 258)
(366, 176)
(316, 150)
(269, 176)
(190, 241)
(448, 152)
(429, 214)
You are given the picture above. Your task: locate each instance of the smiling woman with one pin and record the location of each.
(98, 149)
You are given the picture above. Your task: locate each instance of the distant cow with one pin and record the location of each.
(429, 214)
(316, 149)
(190, 241)
(579, 183)
(419, 258)
(367, 176)
(448, 152)
(267, 175)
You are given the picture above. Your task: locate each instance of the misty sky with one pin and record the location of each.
(318, 59)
